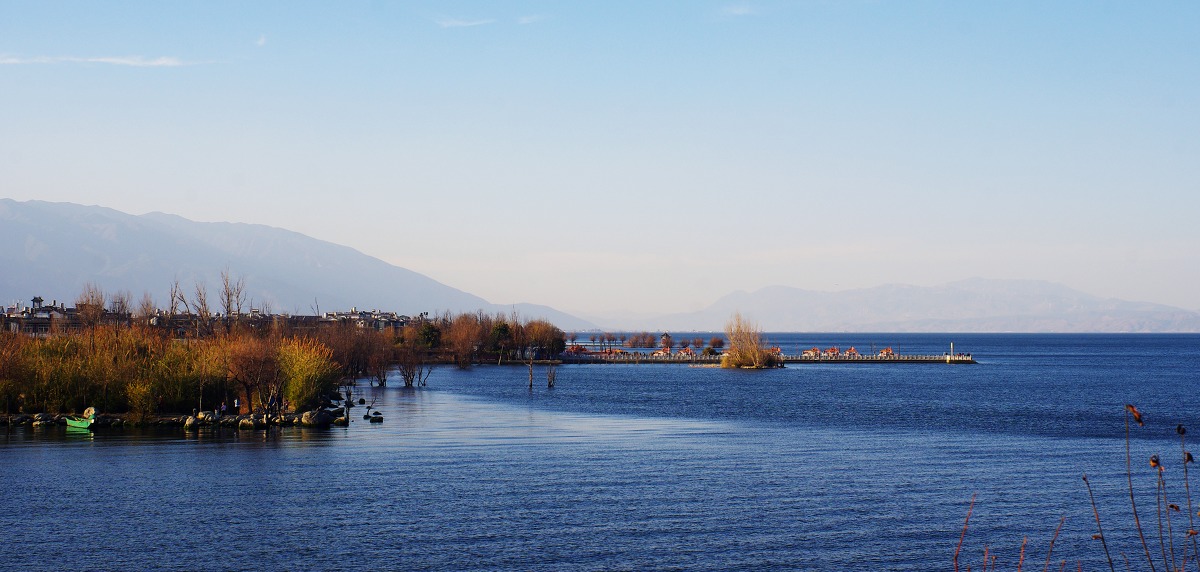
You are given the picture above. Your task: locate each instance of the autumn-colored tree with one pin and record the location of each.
(412, 360)
(642, 340)
(746, 347)
(463, 336)
(500, 339)
(146, 310)
(121, 306)
(307, 370)
(254, 365)
(89, 306)
(545, 339)
(360, 352)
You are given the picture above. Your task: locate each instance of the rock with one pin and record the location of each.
(342, 422)
(316, 418)
(247, 423)
(191, 423)
(376, 419)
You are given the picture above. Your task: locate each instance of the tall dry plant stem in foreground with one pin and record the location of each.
(1187, 460)
(1160, 501)
(1021, 560)
(1099, 529)
(964, 532)
(1055, 538)
(1130, 410)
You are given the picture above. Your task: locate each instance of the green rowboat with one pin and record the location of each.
(84, 422)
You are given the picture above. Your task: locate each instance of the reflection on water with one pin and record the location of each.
(447, 482)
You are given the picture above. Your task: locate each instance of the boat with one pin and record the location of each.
(85, 422)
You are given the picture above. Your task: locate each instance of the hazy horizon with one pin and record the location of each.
(595, 157)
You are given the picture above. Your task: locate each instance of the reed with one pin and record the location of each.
(1170, 557)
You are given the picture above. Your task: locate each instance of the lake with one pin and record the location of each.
(810, 467)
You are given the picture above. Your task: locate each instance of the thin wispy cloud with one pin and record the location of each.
(456, 23)
(262, 40)
(741, 9)
(531, 19)
(131, 61)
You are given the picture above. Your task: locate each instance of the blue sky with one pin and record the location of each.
(637, 157)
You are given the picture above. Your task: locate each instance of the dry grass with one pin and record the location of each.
(1177, 550)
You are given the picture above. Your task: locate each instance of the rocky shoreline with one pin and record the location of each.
(315, 418)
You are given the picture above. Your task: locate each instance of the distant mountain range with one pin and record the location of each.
(53, 249)
(975, 305)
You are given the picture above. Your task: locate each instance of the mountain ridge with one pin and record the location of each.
(55, 248)
(970, 305)
(65, 245)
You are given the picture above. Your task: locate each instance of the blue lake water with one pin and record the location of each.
(811, 467)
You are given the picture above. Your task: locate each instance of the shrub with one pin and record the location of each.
(746, 348)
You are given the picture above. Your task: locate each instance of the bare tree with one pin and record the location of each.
(176, 299)
(89, 306)
(233, 297)
(146, 309)
(410, 361)
(199, 309)
(121, 306)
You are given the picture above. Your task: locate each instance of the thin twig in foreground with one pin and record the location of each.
(964, 531)
(1131, 410)
(1021, 561)
(1099, 529)
(1187, 460)
(1052, 539)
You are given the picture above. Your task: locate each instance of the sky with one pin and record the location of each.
(625, 158)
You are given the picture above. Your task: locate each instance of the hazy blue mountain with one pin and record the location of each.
(53, 249)
(975, 305)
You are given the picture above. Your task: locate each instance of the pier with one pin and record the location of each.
(640, 358)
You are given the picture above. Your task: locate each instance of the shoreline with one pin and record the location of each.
(319, 418)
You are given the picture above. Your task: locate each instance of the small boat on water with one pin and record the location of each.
(85, 422)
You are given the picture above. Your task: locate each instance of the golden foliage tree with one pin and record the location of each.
(308, 371)
(746, 347)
